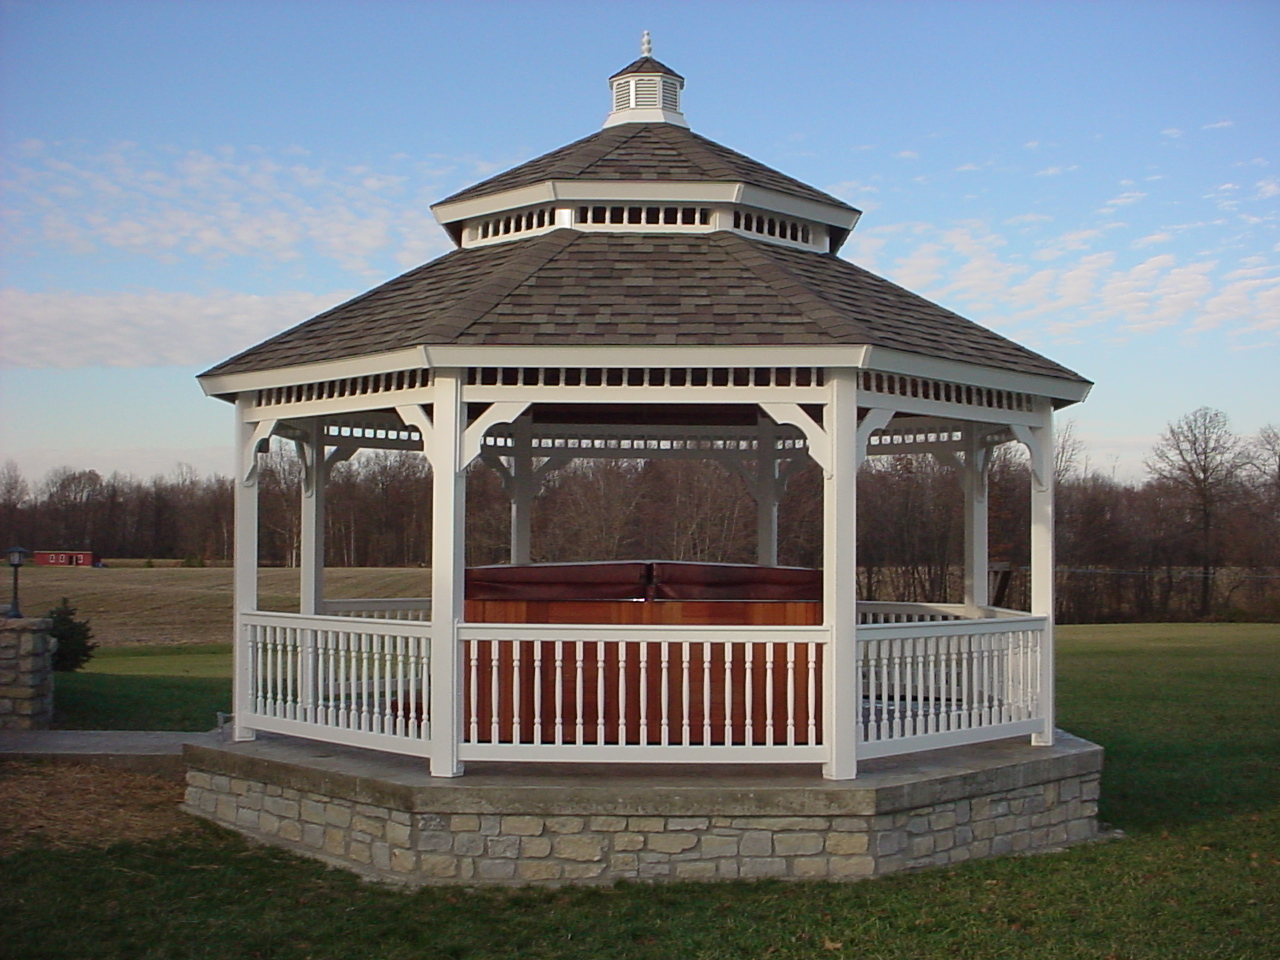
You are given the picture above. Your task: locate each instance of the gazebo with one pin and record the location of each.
(644, 293)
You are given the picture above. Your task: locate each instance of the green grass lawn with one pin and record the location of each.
(146, 688)
(1188, 714)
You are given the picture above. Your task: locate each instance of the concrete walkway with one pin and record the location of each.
(142, 751)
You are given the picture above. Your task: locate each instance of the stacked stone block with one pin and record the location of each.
(522, 847)
(26, 675)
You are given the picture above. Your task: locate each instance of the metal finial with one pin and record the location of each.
(646, 45)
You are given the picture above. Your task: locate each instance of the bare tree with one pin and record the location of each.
(1069, 457)
(1201, 457)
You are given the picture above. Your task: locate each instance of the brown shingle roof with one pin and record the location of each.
(569, 287)
(646, 151)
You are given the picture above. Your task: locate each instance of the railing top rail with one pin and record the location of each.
(377, 603)
(896, 606)
(649, 632)
(948, 628)
(407, 628)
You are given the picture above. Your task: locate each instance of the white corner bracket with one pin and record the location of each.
(254, 445)
(877, 418)
(504, 411)
(819, 443)
(1030, 438)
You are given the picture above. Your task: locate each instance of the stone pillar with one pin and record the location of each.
(26, 675)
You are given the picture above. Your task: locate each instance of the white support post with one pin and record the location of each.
(842, 694)
(523, 488)
(315, 478)
(1040, 442)
(448, 509)
(245, 584)
(977, 590)
(767, 493)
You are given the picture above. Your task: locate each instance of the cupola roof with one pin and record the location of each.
(646, 65)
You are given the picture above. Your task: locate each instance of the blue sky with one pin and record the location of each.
(1100, 181)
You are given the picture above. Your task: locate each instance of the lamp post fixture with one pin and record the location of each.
(17, 556)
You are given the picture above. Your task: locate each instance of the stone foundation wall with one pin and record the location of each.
(26, 675)
(540, 848)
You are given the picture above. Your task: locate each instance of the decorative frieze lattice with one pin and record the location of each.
(645, 376)
(523, 222)
(369, 431)
(344, 387)
(686, 216)
(760, 223)
(900, 385)
(909, 437)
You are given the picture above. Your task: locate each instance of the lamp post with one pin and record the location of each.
(17, 555)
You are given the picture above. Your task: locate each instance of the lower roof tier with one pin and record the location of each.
(570, 288)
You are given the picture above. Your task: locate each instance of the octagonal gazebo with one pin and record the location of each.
(641, 293)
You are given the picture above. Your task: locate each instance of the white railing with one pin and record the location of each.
(948, 683)
(417, 609)
(872, 611)
(649, 694)
(332, 679)
(642, 693)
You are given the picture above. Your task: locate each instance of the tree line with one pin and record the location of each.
(1198, 537)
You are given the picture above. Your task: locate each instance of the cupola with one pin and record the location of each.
(646, 91)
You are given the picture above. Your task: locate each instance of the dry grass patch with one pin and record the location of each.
(180, 605)
(64, 805)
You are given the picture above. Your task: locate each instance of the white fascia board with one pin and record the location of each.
(216, 385)
(647, 191)
(645, 115)
(796, 207)
(492, 203)
(956, 371)
(641, 191)
(645, 356)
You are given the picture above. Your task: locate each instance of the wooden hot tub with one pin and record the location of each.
(644, 592)
(643, 691)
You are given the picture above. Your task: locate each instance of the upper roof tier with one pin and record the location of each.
(640, 171)
(657, 152)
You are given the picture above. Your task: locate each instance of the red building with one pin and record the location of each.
(65, 558)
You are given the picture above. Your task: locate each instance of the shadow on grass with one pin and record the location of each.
(96, 701)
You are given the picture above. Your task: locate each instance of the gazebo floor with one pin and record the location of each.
(385, 817)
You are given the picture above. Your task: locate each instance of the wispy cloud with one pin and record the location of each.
(1028, 218)
(907, 155)
(1123, 200)
(1085, 285)
(1219, 125)
(223, 204)
(1056, 171)
(144, 329)
(1171, 132)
